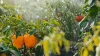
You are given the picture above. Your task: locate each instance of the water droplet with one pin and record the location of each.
(19, 5)
(27, 0)
(54, 9)
(8, 26)
(41, 8)
(46, 17)
(78, 40)
(37, 0)
(33, 53)
(38, 16)
(63, 1)
(1, 1)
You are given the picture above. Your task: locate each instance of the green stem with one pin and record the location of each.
(85, 18)
(24, 50)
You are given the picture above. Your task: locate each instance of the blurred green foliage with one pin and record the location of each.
(65, 12)
(12, 23)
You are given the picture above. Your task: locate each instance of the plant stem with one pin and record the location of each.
(24, 50)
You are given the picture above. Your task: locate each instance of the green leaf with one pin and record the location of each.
(86, 6)
(93, 2)
(55, 22)
(39, 51)
(6, 40)
(9, 39)
(84, 19)
(15, 51)
(7, 28)
(83, 25)
(86, 1)
(12, 49)
(93, 11)
(3, 46)
(18, 34)
(7, 33)
(32, 31)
